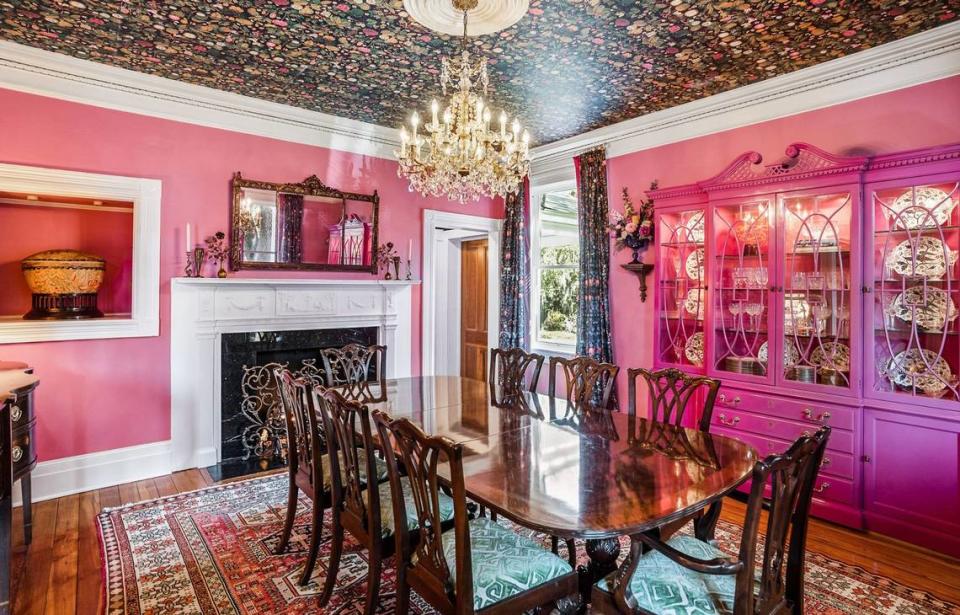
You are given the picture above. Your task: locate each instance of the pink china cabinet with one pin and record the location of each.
(824, 289)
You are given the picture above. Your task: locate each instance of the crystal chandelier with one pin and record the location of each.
(458, 153)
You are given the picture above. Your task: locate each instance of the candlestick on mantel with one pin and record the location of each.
(188, 238)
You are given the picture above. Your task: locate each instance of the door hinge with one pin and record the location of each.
(865, 458)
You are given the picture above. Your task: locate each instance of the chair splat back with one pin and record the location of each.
(306, 437)
(354, 369)
(670, 392)
(509, 369)
(791, 477)
(421, 456)
(351, 457)
(586, 381)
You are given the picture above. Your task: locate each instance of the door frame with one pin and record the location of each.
(434, 222)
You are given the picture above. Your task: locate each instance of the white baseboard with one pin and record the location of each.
(60, 477)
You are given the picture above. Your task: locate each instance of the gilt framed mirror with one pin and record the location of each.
(304, 226)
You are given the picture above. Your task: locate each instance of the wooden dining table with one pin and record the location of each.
(572, 472)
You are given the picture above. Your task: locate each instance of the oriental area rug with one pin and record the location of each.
(210, 552)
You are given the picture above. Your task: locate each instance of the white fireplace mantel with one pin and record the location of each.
(203, 309)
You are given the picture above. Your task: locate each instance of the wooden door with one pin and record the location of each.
(473, 309)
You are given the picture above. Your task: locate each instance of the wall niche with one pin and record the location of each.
(112, 222)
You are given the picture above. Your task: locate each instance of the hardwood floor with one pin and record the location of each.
(60, 574)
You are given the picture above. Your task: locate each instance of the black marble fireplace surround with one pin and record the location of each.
(240, 351)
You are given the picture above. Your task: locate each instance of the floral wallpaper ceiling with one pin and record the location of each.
(567, 67)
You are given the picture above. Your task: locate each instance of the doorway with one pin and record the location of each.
(473, 308)
(461, 293)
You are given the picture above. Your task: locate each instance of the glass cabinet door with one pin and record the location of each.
(817, 235)
(682, 275)
(916, 334)
(742, 273)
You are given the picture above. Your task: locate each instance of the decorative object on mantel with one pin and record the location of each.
(196, 256)
(218, 251)
(461, 156)
(633, 228)
(409, 261)
(387, 256)
(64, 284)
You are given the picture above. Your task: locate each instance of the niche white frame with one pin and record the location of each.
(144, 319)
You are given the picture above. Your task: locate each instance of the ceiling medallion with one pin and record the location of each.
(458, 153)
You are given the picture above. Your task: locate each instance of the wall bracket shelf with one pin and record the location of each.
(642, 270)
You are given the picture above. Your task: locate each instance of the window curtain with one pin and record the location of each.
(515, 271)
(594, 338)
(290, 219)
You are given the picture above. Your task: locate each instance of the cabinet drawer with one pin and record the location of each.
(21, 410)
(22, 454)
(804, 411)
(834, 463)
(789, 431)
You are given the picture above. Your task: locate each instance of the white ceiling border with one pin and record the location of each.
(917, 59)
(36, 71)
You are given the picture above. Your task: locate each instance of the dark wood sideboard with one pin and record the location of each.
(17, 459)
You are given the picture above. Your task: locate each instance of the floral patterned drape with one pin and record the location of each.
(290, 219)
(594, 337)
(515, 271)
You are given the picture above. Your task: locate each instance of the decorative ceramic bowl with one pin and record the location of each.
(63, 272)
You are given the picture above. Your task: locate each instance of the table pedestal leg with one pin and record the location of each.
(603, 556)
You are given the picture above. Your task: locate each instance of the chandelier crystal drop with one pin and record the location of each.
(464, 151)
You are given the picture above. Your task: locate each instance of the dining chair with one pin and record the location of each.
(586, 381)
(308, 463)
(689, 571)
(354, 368)
(513, 370)
(670, 392)
(478, 566)
(366, 512)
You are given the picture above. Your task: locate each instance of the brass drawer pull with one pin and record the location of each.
(724, 400)
(823, 418)
(823, 487)
(724, 421)
(15, 413)
(16, 454)
(825, 461)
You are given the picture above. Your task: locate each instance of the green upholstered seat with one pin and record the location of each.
(387, 526)
(328, 479)
(661, 585)
(504, 563)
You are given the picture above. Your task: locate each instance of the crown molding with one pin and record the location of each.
(917, 59)
(37, 71)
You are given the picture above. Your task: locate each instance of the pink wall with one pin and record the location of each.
(104, 394)
(921, 116)
(108, 234)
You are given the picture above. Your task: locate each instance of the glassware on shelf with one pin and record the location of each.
(754, 310)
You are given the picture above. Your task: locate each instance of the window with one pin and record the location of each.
(555, 260)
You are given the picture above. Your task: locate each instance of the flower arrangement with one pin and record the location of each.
(387, 256)
(217, 251)
(633, 228)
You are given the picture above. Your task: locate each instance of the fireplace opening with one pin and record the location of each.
(252, 426)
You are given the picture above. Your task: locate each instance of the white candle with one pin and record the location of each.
(410, 250)
(188, 238)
